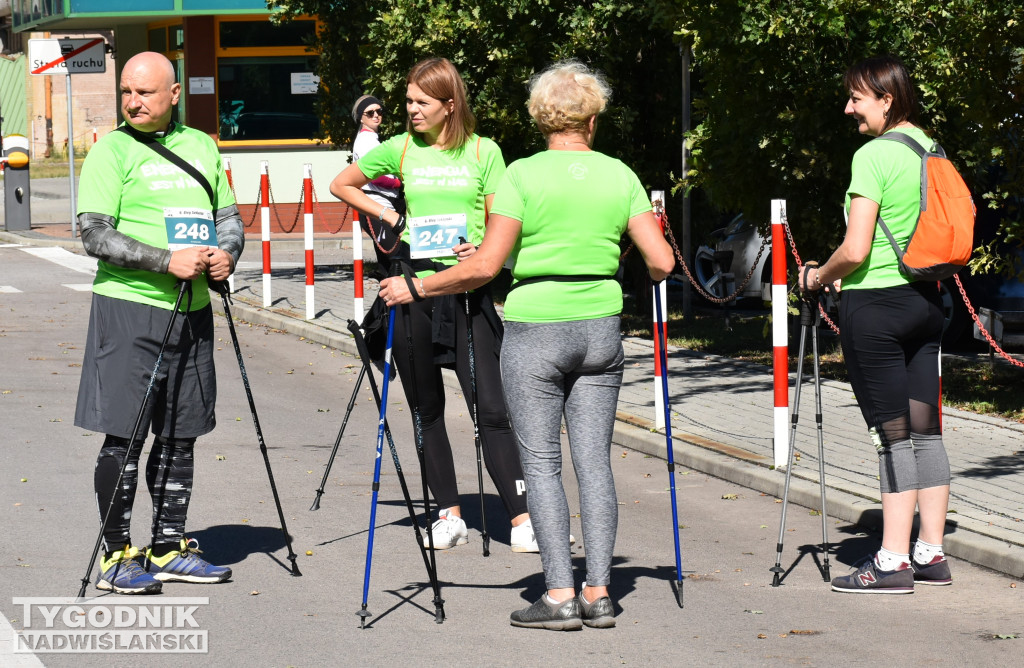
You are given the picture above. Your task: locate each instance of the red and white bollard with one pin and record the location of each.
(94, 136)
(357, 267)
(265, 229)
(780, 335)
(307, 230)
(660, 288)
(658, 204)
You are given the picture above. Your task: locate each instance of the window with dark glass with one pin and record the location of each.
(258, 99)
(264, 34)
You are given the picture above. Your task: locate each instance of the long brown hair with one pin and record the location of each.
(881, 75)
(439, 79)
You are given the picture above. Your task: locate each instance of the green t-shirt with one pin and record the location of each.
(890, 174)
(440, 182)
(574, 207)
(141, 190)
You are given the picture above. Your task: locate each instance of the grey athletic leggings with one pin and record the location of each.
(574, 368)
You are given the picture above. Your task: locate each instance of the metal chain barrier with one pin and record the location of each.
(256, 209)
(694, 282)
(298, 210)
(320, 214)
(799, 265)
(981, 328)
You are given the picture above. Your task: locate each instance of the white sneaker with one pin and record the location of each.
(524, 540)
(448, 531)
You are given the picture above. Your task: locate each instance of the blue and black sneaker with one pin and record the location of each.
(185, 565)
(122, 574)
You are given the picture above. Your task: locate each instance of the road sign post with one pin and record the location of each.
(67, 57)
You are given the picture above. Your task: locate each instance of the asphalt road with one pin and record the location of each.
(266, 617)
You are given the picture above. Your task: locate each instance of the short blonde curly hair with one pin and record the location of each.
(565, 96)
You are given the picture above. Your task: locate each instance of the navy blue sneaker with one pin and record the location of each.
(185, 565)
(935, 572)
(868, 579)
(121, 574)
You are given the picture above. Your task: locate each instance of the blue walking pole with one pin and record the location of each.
(662, 340)
(363, 613)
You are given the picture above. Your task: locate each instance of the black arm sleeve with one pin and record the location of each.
(230, 232)
(102, 240)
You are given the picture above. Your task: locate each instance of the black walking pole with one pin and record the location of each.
(256, 421)
(363, 613)
(485, 538)
(184, 286)
(364, 354)
(661, 337)
(341, 432)
(809, 320)
(417, 425)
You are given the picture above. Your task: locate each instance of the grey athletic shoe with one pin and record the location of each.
(935, 572)
(597, 615)
(542, 615)
(868, 579)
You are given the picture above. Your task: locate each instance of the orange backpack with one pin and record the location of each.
(940, 244)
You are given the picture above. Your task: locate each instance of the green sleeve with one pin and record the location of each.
(99, 185)
(508, 198)
(493, 165)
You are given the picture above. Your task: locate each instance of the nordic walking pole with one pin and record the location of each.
(485, 538)
(363, 613)
(662, 337)
(808, 321)
(337, 440)
(364, 355)
(183, 287)
(417, 425)
(821, 441)
(256, 422)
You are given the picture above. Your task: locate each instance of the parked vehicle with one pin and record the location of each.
(720, 270)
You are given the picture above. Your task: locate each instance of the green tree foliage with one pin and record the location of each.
(769, 118)
(497, 46)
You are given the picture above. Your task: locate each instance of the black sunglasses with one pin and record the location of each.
(374, 112)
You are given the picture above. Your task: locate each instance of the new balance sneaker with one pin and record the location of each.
(597, 615)
(563, 616)
(185, 565)
(122, 574)
(935, 572)
(448, 531)
(868, 579)
(525, 540)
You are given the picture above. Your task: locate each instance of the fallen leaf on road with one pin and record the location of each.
(254, 593)
(804, 632)
(221, 458)
(761, 636)
(755, 612)
(730, 497)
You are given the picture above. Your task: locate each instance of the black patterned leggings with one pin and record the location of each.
(169, 474)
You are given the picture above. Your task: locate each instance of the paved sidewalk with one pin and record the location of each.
(722, 412)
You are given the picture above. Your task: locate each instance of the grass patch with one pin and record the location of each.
(970, 383)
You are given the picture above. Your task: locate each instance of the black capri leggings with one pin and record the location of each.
(499, 446)
(890, 339)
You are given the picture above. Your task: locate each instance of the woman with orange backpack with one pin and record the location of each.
(890, 328)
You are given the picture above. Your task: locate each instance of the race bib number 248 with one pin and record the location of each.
(189, 227)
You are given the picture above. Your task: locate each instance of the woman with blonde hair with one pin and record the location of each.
(560, 215)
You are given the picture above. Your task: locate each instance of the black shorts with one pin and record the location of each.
(120, 351)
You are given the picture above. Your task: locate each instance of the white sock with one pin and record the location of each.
(890, 561)
(551, 601)
(924, 552)
(582, 597)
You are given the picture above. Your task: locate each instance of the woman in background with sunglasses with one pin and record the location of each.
(385, 190)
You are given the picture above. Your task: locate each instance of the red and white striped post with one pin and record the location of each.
(657, 202)
(265, 229)
(780, 335)
(357, 267)
(307, 232)
(659, 396)
(94, 136)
